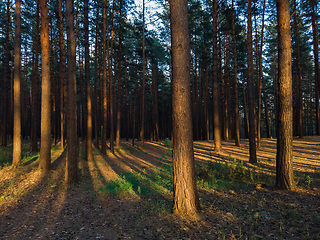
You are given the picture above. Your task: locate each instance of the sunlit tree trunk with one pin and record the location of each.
(284, 168)
(96, 71)
(252, 140)
(215, 94)
(186, 200)
(72, 160)
(17, 88)
(45, 149)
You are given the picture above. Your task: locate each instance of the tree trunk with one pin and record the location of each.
(235, 84)
(316, 62)
(266, 109)
(62, 72)
(252, 140)
(72, 160)
(104, 80)
(215, 95)
(95, 105)
(143, 78)
(118, 133)
(17, 88)
(186, 200)
(284, 168)
(45, 150)
(89, 156)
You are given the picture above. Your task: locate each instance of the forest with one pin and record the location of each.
(179, 119)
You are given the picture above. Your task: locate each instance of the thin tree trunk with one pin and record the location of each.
(252, 140)
(266, 109)
(95, 105)
(89, 156)
(118, 134)
(111, 95)
(143, 78)
(6, 81)
(284, 168)
(17, 88)
(235, 83)
(45, 150)
(72, 160)
(62, 71)
(299, 110)
(216, 119)
(186, 199)
(316, 62)
(104, 80)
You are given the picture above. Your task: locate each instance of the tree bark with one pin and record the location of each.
(315, 35)
(186, 200)
(104, 79)
(252, 140)
(215, 95)
(235, 84)
(284, 168)
(143, 78)
(89, 156)
(17, 88)
(45, 150)
(72, 160)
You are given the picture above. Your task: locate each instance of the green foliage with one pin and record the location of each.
(5, 156)
(118, 187)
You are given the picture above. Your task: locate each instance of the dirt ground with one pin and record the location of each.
(34, 206)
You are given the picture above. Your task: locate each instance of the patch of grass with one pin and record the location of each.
(5, 156)
(118, 187)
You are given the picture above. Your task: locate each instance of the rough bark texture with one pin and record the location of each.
(252, 139)
(17, 89)
(215, 95)
(110, 75)
(186, 200)
(284, 169)
(72, 163)
(45, 150)
(89, 155)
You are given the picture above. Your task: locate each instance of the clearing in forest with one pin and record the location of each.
(128, 195)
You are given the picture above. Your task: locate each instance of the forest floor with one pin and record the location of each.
(128, 195)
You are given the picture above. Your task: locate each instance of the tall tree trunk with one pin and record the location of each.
(299, 102)
(284, 168)
(62, 71)
(72, 160)
(235, 83)
(118, 134)
(227, 92)
(156, 104)
(45, 150)
(17, 88)
(215, 95)
(260, 79)
(89, 156)
(35, 88)
(186, 199)
(143, 78)
(252, 140)
(111, 89)
(316, 62)
(95, 101)
(104, 80)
